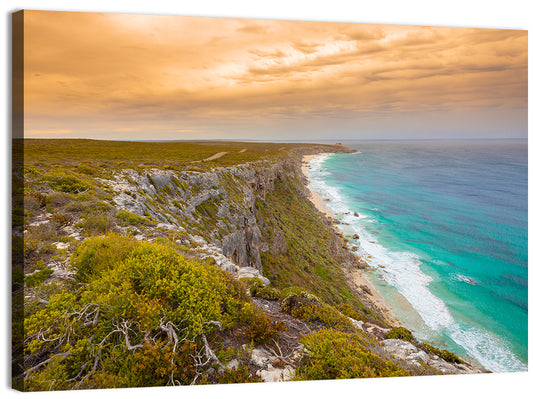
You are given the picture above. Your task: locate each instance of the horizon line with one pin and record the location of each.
(278, 141)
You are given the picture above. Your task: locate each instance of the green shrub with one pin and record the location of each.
(208, 208)
(250, 281)
(61, 219)
(98, 254)
(37, 277)
(225, 354)
(257, 326)
(269, 293)
(34, 200)
(196, 292)
(400, 333)
(333, 354)
(38, 239)
(153, 363)
(97, 223)
(305, 306)
(442, 353)
(38, 265)
(259, 290)
(88, 206)
(292, 296)
(239, 375)
(95, 206)
(130, 219)
(348, 310)
(86, 170)
(66, 182)
(56, 200)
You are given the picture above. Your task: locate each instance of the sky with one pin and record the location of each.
(146, 77)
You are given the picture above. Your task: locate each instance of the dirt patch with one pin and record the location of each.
(216, 156)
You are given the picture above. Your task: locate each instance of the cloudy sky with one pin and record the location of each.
(119, 76)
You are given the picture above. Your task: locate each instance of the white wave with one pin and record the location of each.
(403, 272)
(462, 278)
(316, 163)
(489, 350)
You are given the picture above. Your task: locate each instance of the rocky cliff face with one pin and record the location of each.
(218, 206)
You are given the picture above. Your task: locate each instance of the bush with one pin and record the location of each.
(400, 333)
(348, 310)
(292, 296)
(154, 362)
(86, 170)
(34, 200)
(66, 182)
(333, 354)
(239, 375)
(61, 219)
(196, 292)
(98, 254)
(59, 199)
(269, 293)
(258, 327)
(38, 239)
(259, 290)
(37, 277)
(305, 306)
(130, 219)
(98, 223)
(208, 208)
(248, 282)
(88, 206)
(442, 353)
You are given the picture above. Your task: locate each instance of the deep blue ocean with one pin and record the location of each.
(443, 227)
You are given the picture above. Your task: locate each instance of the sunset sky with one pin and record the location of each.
(140, 77)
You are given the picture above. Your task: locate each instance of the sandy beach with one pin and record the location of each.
(315, 199)
(356, 278)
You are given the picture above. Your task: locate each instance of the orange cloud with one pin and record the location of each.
(109, 73)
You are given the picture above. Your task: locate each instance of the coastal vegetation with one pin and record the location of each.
(335, 354)
(152, 264)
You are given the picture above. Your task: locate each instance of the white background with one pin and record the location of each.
(512, 14)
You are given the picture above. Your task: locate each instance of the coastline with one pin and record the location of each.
(355, 278)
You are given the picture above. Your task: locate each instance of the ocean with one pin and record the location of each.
(443, 228)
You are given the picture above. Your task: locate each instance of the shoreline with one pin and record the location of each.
(356, 278)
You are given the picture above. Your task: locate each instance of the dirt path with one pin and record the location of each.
(216, 156)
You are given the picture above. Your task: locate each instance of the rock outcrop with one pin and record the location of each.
(417, 357)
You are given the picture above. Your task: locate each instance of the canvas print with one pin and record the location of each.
(206, 200)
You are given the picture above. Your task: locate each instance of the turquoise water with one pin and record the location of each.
(442, 225)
